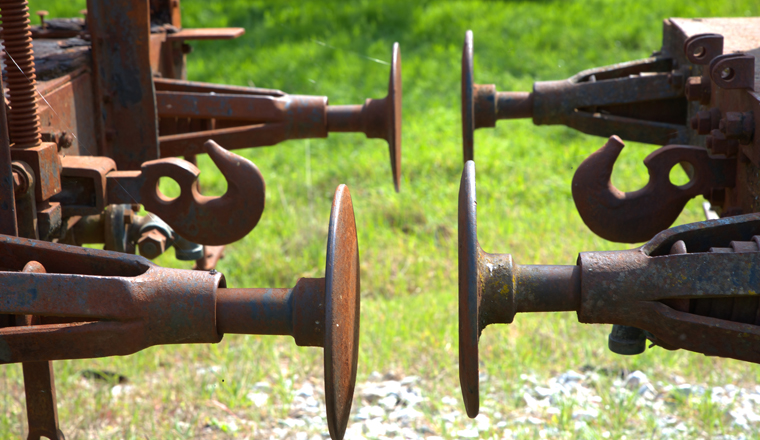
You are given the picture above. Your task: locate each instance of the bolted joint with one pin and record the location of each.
(697, 90)
(718, 143)
(739, 126)
(152, 243)
(706, 121)
(675, 79)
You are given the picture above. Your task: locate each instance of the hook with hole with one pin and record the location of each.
(632, 217)
(212, 221)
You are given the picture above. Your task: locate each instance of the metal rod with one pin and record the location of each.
(514, 105)
(509, 288)
(344, 118)
(39, 386)
(298, 312)
(547, 288)
(255, 311)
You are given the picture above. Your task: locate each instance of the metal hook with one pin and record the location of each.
(212, 221)
(637, 216)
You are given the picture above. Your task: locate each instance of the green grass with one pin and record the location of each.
(408, 240)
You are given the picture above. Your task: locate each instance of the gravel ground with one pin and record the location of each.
(570, 405)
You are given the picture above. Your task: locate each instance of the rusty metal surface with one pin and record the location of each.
(468, 98)
(176, 85)
(492, 289)
(700, 49)
(342, 310)
(245, 117)
(125, 97)
(39, 386)
(639, 100)
(95, 303)
(115, 304)
(45, 162)
(637, 216)
(201, 219)
(68, 109)
(23, 120)
(469, 291)
(733, 71)
(692, 287)
(83, 183)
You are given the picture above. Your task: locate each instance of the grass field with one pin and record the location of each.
(408, 240)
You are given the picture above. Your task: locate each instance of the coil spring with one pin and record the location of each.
(738, 309)
(24, 122)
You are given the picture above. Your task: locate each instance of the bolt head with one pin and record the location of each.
(704, 123)
(693, 88)
(152, 243)
(739, 126)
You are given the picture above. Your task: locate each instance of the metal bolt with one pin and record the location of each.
(739, 126)
(706, 120)
(719, 144)
(697, 90)
(65, 140)
(152, 243)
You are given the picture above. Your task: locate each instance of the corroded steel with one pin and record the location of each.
(24, 122)
(245, 117)
(110, 85)
(198, 218)
(39, 385)
(637, 216)
(124, 92)
(676, 288)
(639, 100)
(94, 303)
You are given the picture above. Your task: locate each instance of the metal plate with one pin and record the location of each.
(342, 296)
(468, 104)
(394, 115)
(468, 291)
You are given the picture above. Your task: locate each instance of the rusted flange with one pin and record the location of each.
(342, 289)
(394, 116)
(468, 99)
(469, 251)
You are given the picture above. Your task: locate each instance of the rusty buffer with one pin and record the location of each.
(639, 100)
(673, 291)
(98, 107)
(697, 97)
(86, 150)
(653, 100)
(84, 65)
(243, 117)
(84, 303)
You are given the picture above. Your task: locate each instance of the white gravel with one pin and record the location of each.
(569, 405)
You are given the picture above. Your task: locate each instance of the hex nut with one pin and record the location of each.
(739, 126)
(152, 243)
